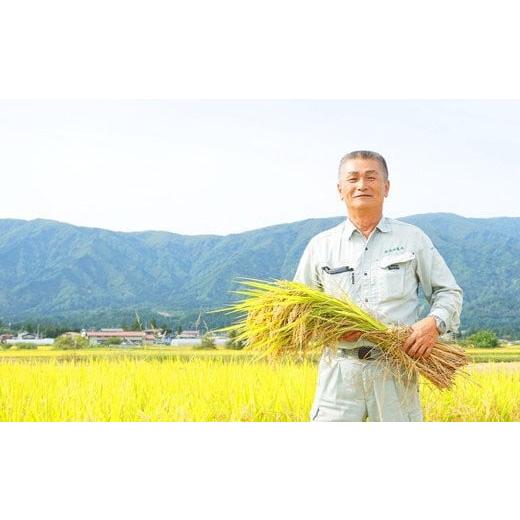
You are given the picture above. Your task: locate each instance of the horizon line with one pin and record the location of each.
(240, 232)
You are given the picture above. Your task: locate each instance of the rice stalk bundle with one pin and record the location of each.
(289, 319)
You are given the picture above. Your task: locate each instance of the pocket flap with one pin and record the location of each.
(396, 259)
(337, 270)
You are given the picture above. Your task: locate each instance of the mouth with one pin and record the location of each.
(362, 196)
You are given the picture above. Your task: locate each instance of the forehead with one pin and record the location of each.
(361, 166)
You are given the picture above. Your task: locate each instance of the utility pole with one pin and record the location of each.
(138, 320)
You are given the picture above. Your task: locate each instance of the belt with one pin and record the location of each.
(363, 352)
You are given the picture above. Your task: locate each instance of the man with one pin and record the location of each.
(379, 264)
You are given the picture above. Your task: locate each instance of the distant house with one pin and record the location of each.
(190, 338)
(26, 335)
(127, 337)
(189, 334)
(5, 337)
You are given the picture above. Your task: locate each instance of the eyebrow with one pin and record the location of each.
(366, 171)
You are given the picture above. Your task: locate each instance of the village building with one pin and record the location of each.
(127, 337)
(29, 338)
(189, 334)
(26, 335)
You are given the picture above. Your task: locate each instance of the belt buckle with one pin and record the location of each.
(365, 352)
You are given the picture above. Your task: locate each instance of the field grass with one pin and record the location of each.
(483, 355)
(501, 354)
(172, 384)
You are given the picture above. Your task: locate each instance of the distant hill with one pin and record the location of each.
(89, 276)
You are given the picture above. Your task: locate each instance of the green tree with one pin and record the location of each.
(233, 343)
(66, 342)
(30, 327)
(135, 325)
(208, 341)
(484, 339)
(114, 341)
(164, 326)
(53, 331)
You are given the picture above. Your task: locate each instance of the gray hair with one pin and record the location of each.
(364, 154)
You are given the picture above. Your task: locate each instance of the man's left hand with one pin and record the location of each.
(422, 339)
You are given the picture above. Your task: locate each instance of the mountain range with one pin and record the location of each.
(95, 277)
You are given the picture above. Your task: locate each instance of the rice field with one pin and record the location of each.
(186, 385)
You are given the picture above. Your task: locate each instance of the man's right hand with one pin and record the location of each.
(351, 336)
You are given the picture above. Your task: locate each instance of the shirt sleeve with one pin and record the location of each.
(440, 288)
(307, 271)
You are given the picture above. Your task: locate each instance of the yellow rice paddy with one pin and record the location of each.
(163, 385)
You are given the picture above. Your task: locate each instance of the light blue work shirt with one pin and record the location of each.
(382, 273)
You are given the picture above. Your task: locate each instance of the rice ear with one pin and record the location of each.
(282, 318)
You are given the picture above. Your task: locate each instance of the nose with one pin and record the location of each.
(360, 185)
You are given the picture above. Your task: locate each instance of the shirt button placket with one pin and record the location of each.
(365, 282)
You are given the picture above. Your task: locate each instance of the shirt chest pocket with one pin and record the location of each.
(337, 280)
(396, 276)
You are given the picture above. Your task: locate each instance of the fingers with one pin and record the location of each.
(414, 349)
(412, 344)
(410, 341)
(421, 340)
(420, 348)
(351, 336)
(427, 350)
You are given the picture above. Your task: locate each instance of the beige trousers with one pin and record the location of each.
(352, 389)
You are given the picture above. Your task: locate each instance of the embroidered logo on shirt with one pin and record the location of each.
(394, 249)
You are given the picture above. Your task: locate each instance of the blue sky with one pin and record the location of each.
(197, 167)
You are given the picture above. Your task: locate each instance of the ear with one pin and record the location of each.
(387, 188)
(339, 191)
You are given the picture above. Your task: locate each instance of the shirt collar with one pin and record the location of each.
(383, 225)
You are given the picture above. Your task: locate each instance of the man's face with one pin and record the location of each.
(362, 184)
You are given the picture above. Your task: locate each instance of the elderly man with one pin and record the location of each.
(378, 263)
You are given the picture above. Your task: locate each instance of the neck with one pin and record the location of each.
(366, 223)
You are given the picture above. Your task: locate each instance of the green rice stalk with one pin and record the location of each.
(285, 319)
